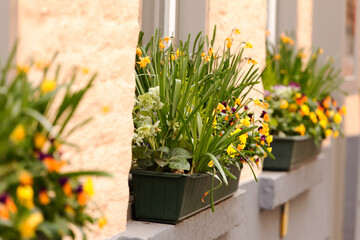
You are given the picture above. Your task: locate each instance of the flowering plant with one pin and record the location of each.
(294, 113)
(37, 198)
(176, 115)
(287, 64)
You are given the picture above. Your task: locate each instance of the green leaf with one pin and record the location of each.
(178, 153)
(86, 173)
(145, 163)
(179, 163)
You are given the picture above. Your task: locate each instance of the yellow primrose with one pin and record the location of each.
(305, 110)
(313, 117)
(245, 121)
(337, 118)
(28, 226)
(269, 139)
(300, 129)
(248, 45)
(25, 195)
(283, 104)
(328, 132)
(89, 187)
(48, 85)
(138, 52)
(39, 140)
(18, 134)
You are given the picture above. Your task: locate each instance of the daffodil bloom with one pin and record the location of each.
(277, 57)
(248, 45)
(144, 61)
(343, 110)
(300, 129)
(253, 61)
(25, 178)
(44, 198)
(313, 117)
(138, 52)
(105, 108)
(207, 59)
(42, 64)
(161, 45)
(257, 102)
(286, 39)
(229, 41)
(173, 57)
(28, 226)
(336, 134)
(337, 118)
(238, 101)
(320, 51)
(264, 129)
(39, 140)
(328, 132)
(301, 55)
(211, 51)
(166, 39)
(22, 69)
(48, 85)
(323, 123)
(89, 187)
(85, 70)
(102, 222)
(220, 107)
(25, 195)
(210, 164)
(283, 104)
(18, 134)
(237, 31)
(305, 110)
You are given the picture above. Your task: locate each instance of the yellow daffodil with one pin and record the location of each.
(18, 134)
(300, 129)
(166, 39)
(105, 108)
(144, 61)
(283, 104)
(301, 55)
(23, 68)
(323, 123)
(277, 57)
(25, 195)
(248, 45)
(320, 51)
(48, 85)
(39, 140)
(253, 61)
(28, 226)
(85, 70)
(237, 31)
(161, 45)
(138, 52)
(336, 134)
(238, 101)
(337, 118)
(211, 51)
(229, 41)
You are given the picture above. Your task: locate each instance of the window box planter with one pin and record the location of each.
(290, 152)
(171, 198)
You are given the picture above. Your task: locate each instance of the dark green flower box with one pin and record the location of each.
(170, 198)
(290, 152)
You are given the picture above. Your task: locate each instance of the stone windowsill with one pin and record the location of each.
(275, 189)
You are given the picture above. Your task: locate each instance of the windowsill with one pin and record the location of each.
(275, 189)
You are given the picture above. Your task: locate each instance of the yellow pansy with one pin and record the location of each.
(25, 178)
(300, 129)
(283, 104)
(18, 134)
(39, 140)
(245, 121)
(269, 139)
(328, 132)
(28, 226)
(231, 151)
(89, 187)
(336, 134)
(25, 195)
(337, 118)
(211, 163)
(313, 117)
(305, 110)
(292, 107)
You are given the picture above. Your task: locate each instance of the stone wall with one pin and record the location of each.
(102, 36)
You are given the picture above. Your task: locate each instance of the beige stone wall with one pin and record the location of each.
(101, 35)
(304, 25)
(250, 18)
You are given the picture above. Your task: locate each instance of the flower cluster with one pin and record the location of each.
(294, 113)
(248, 147)
(38, 199)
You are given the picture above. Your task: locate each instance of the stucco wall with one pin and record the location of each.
(304, 25)
(102, 36)
(250, 18)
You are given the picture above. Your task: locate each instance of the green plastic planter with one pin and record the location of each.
(170, 198)
(290, 152)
